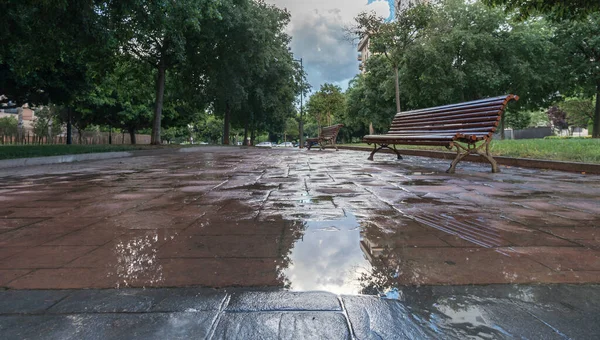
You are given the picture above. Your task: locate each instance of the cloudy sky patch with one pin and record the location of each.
(318, 36)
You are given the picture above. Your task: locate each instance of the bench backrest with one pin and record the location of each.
(474, 120)
(330, 132)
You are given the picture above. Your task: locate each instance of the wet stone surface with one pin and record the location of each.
(318, 220)
(432, 312)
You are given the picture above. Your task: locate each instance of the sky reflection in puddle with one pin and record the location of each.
(328, 257)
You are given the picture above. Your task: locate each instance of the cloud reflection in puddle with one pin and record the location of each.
(328, 257)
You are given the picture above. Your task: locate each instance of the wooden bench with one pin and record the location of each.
(467, 126)
(328, 135)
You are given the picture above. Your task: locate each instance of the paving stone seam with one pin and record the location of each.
(348, 322)
(215, 323)
(26, 225)
(546, 324)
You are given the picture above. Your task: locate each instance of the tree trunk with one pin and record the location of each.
(160, 92)
(226, 124)
(252, 136)
(397, 80)
(246, 132)
(132, 135)
(69, 128)
(596, 127)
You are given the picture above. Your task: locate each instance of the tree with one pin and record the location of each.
(370, 98)
(9, 127)
(123, 100)
(580, 112)
(292, 130)
(556, 9)
(162, 34)
(42, 62)
(517, 119)
(580, 43)
(558, 118)
(326, 104)
(273, 86)
(393, 39)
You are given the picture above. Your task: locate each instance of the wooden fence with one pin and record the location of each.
(88, 138)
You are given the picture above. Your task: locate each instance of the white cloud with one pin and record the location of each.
(318, 37)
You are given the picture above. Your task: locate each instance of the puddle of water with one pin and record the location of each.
(423, 182)
(328, 257)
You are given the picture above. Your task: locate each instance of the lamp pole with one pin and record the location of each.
(301, 125)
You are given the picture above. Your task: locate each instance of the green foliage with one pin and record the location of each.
(210, 130)
(580, 112)
(42, 61)
(326, 105)
(292, 131)
(46, 123)
(470, 52)
(8, 126)
(517, 120)
(463, 51)
(556, 9)
(580, 53)
(370, 98)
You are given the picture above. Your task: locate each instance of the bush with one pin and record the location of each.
(8, 126)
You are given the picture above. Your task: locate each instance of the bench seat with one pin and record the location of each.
(468, 127)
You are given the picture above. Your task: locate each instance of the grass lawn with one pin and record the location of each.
(570, 150)
(25, 151)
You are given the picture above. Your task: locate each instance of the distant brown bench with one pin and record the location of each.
(462, 125)
(328, 135)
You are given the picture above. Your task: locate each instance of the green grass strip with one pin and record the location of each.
(567, 150)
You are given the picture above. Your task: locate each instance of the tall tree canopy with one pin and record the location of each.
(327, 105)
(555, 9)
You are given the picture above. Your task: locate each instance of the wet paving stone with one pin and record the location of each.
(279, 325)
(283, 301)
(29, 302)
(108, 326)
(230, 217)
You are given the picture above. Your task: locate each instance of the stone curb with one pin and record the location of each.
(20, 162)
(588, 168)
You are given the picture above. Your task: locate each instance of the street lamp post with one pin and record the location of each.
(301, 125)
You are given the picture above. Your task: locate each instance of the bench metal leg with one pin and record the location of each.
(487, 155)
(397, 152)
(459, 157)
(471, 149)
(376, 149)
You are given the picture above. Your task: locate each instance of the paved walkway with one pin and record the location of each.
(268, 220)
(223, 217)
(435, 312)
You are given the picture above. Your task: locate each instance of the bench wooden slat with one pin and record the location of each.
(496, 101)
(405, 116)
(448, 126)
(401, 120)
